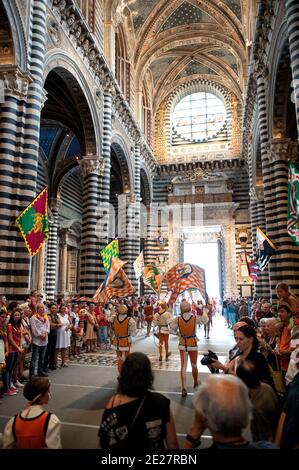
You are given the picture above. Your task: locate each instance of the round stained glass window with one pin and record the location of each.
(199, 116)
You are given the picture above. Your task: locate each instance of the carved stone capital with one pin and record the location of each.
(54, 206)
(92, 164)
(15, 82)
(44, 97)
(282, 149)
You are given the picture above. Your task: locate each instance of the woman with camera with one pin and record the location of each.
(247, 343)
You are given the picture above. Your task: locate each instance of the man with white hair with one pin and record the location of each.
(223, 406)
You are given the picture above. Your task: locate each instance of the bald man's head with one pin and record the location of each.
(224, 402)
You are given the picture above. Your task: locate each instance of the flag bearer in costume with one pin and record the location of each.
(123, 328)
(162, 319)
(185, 325)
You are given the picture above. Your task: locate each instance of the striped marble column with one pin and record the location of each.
(91, 168)
(132, 240)
(266, 171)
(19, 147)
(262, 285)
(292, 8)
(285, 264)
(52, 251)
(104, 180)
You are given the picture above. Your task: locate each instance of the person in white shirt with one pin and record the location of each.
(40, 328)
(34, 428)
(185, 326)
(162, 319)
(124, 328)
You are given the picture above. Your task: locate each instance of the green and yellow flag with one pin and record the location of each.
(152, 277)
(33, 223)
(111, 250)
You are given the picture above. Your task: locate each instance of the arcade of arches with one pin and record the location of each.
(131, 110)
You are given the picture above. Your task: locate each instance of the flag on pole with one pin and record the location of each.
(116, 283)
(252, 267)
(293, 203)
(33, 222)
(265, 249)
(139, 265)
(111, 250)
(152, 277)
(184, 276)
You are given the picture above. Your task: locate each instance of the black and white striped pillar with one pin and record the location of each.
(285, 264)
(292, 8)
(104, 180)
(266, 171)
(91, 168)
(52, 251)
(19, 146)
(132, 240)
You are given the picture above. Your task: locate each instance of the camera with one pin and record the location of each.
(208, 359)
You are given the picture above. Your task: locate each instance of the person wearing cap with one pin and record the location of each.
(34, 428)
(123, 328)
(162, 320)
(185, 325)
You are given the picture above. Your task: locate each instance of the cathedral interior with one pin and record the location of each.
(127, 110)
(159, 122)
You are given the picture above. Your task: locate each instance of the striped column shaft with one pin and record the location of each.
(132, 240)
(266, 170)
(292, 8)
(285, 263)
(131, 245)
(90, 243)
(253, 221)
(52, 253)
(263, 276)
(20, 119)
(104, 194)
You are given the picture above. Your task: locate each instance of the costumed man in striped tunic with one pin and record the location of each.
(123, 328)
(185, 326)
(162, 319)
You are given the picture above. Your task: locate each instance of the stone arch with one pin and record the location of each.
(146, 186)
(18, 33)
(74, 78)
(122, 153)
(282, 112)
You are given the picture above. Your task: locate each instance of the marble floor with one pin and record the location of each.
(80, 392)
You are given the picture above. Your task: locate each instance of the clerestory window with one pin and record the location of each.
(199, 117)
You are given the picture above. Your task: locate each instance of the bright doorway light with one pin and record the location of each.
(206, 256)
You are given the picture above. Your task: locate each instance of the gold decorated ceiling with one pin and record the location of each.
(175, 41)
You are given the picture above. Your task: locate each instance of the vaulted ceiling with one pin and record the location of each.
(174, 41)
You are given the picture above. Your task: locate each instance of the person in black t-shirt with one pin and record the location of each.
(136, 419)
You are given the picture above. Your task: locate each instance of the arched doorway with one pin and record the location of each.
(66, 136)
